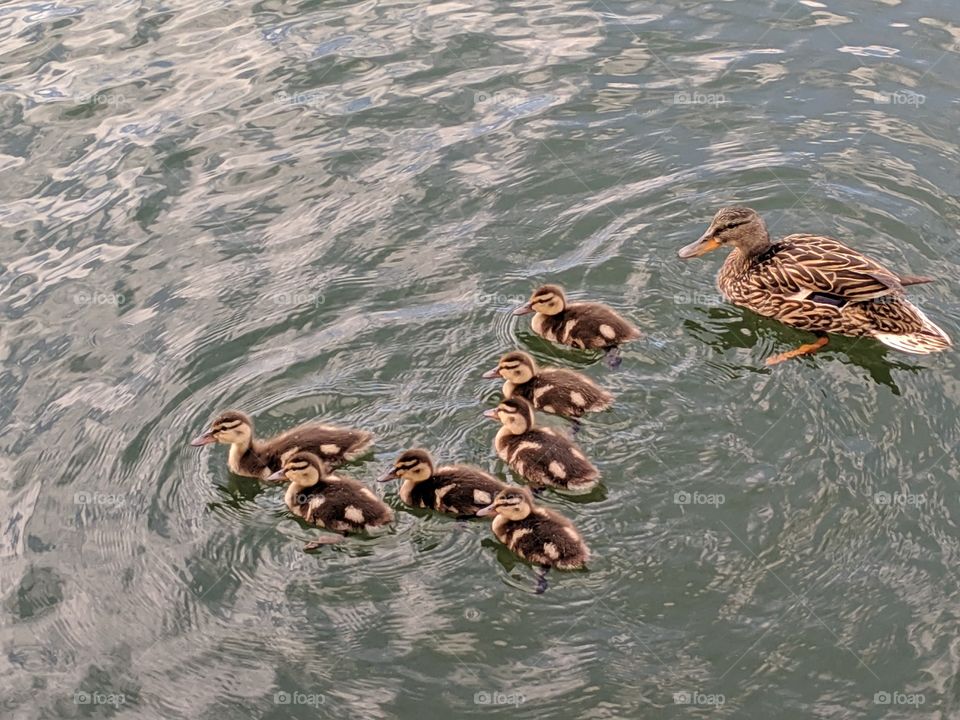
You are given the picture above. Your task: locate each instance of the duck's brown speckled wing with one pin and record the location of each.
(827, 266)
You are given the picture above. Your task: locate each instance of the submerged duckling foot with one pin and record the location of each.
(325, 540)
(541, 587)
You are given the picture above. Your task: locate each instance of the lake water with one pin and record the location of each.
(327, 210)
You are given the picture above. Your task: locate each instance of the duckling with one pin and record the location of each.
(537, 535)
(328, 501)
(255, 458)
(581, 325)
(553, 390)
(540, 455)
(458, 490)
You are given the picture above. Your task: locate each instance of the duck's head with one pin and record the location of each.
(546, 300)
(415, 465)
(515, 414)
(302, 468)
(513, 503)
(740, 227)
(231, 427)
(517, 367)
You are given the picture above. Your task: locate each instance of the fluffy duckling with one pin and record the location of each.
(534, 533)
(255, 458)
(582, 325)
(553, 390)
(540, 455)
(458, 490)
(333, 502)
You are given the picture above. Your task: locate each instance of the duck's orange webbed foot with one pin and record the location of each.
(805, 349)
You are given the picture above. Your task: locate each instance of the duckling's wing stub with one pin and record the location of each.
(546, 540)
(461, 490)
(334, 445)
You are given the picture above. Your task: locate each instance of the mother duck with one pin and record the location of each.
(815, 283)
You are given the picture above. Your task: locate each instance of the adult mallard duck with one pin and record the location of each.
(458, 490)
(255, 458)
(333, 502)
(553, 390)
(815, 283)
(582, 325)
(540, 455)
(537, 535)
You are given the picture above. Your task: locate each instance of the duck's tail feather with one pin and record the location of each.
(915, 280)
(929, 339)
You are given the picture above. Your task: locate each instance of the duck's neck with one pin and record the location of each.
(756, 243)
(237, 451)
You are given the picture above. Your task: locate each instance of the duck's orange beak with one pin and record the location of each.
(524, 309)
(279, 476)
(491, 374)
(492, 414)
(702, 246)
(488, 510)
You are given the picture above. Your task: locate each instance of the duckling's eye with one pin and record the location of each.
(298, 466)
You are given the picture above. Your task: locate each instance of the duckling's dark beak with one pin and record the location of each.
(488, 510)
(524, 309)
(702, 246)
(389, 475)
(491, 374)
(205, 439)
(279, 476)
(491, 413)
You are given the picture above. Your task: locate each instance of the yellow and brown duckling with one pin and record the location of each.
(582, 325)
(458, 490)
(541, 456)
(256, 458)
(815, 283)
(553, 390)
(333, 502)
(537, 535)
